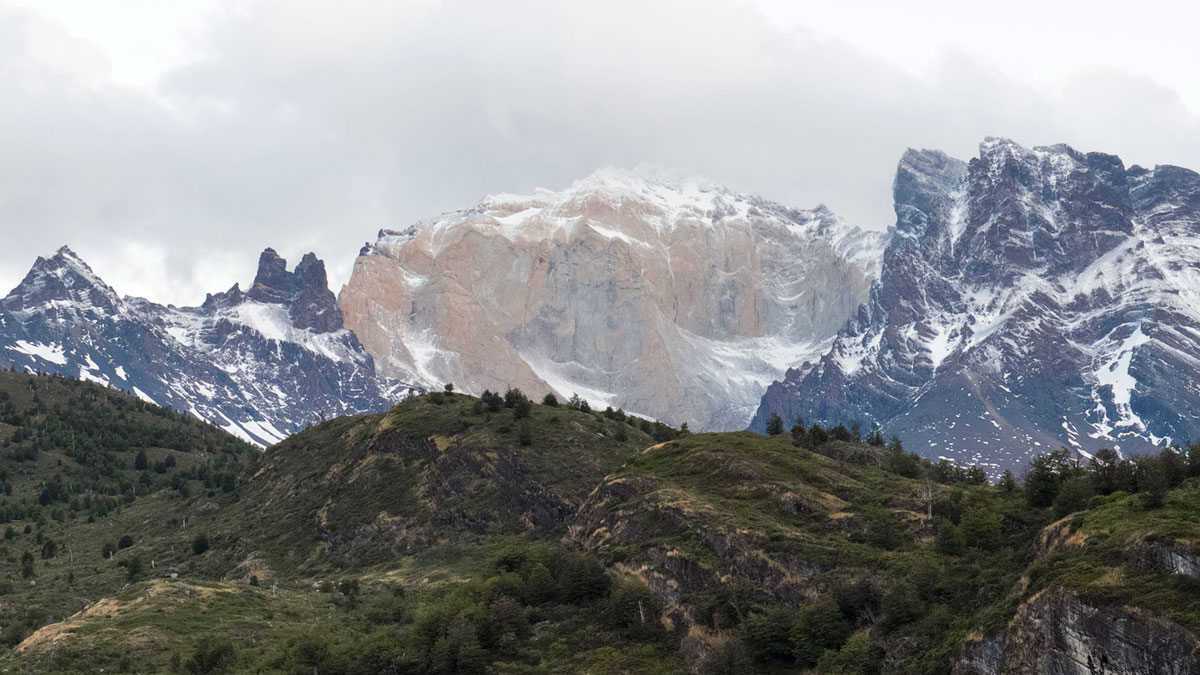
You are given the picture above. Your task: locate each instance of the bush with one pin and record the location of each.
(133, 568)
(200, 544)
(727, 656)
(857, 657)
(522, 408)
(211, 656)
(980, 526)
(492, 400)
(513, 396)
(767, 634)
(818, 626)
(125, 542)
(774, 425)
(550, 400)
(1073, 495)
(949, 539)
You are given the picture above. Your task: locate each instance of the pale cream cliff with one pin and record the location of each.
(648, 290)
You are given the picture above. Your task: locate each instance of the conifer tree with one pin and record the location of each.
(775, 425)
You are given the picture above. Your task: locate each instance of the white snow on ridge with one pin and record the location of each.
(264, 430)
(88, 376)
(51, 353)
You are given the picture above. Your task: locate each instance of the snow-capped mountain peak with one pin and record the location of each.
(62, 281)
(1033, 297)
(646, 288)
(260, 364)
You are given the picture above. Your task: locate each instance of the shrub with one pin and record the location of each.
(211, 656)
(512, 396)
(492, 400)
(768, 634)
(200, 544)
(857, 657)
(125, 542)
(1073, 495)
(133, 568)
(817, 627)
(774, 425)
(522, 408)
(550, 400)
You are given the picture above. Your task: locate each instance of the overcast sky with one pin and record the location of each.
(169, 142)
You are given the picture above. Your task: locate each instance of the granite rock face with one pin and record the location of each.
(648, 290)
(1030, 298)
(261, 364)
(1056, 633)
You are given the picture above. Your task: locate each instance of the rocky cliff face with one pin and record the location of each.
(260, 364)
(1056, 632)
(1030, 298)
(648, 290)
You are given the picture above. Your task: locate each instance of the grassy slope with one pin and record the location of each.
(427, 478)
(330, 504)
(104, 430)
(1098, 557)
(733, 532)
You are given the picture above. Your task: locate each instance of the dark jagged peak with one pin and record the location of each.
(1165, 197)
(63, 278)
(304, 291)
(926, 185)
(231, 297)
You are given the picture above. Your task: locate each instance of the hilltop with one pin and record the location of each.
(454, 534)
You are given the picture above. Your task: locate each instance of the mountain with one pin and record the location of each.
(455, 535)
(1030, 299)
(261, 364)
(648, 290)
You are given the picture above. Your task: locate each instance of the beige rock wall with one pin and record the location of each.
(679, 301)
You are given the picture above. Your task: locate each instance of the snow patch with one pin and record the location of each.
(51, 353)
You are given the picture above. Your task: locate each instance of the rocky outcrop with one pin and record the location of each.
(1030, 298)
(1057, 633)
(305, 292)
(1166, 558)
(260, 364)
(652, 291)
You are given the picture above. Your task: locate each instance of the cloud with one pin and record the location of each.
(301, 126)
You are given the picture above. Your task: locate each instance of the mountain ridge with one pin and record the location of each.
(1037, 297)
(260, 364)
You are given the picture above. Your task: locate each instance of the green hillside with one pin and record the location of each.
(97, 488)
(459, 535)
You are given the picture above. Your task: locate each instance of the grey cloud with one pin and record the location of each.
(303, 129)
